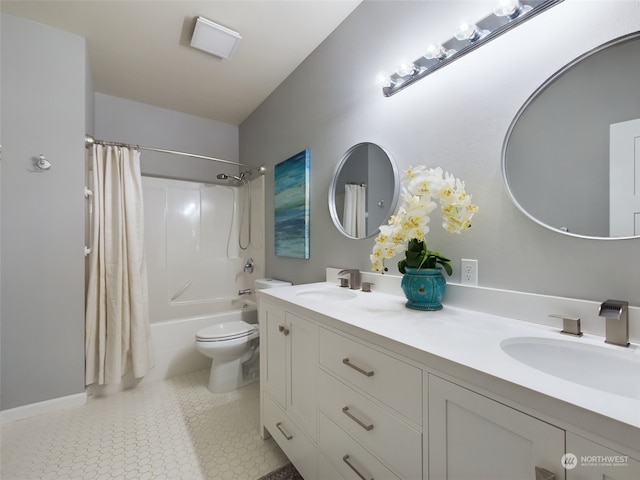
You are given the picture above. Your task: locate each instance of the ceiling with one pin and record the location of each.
(140, 49)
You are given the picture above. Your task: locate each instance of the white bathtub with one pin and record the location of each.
(174, 343)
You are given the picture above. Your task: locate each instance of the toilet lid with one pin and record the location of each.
(226, 331)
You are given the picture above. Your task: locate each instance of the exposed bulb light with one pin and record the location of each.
(469, 31)
(506, 15)
(406, 69)
(510, 9)
(383, 80)
(435, 51)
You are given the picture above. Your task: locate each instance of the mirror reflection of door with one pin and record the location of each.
(624, 179)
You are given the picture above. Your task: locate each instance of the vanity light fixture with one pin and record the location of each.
(215, 39)
(469, 36)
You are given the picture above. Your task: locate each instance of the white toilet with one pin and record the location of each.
(232, 345)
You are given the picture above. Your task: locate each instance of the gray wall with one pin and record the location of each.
(122, 120)
(48, 104)
(456, 118)
(42, 300)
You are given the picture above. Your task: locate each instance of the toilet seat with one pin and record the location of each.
(226, 331)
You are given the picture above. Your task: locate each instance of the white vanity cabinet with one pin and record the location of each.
(288, 366)
(474, 437)
(591, 461)
(370, 406)
(347, 396)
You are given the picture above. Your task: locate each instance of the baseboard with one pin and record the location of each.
(39, 408)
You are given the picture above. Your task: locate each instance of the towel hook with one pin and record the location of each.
(42, 164)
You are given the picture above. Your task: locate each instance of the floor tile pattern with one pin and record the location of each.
(169, 429)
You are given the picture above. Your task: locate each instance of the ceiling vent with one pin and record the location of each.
(215, 39)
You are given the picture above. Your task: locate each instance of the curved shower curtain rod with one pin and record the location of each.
(89, 141)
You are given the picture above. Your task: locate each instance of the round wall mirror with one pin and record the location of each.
(568, 160)
(363, 191)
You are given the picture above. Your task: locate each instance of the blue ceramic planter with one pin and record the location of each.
(424, 288)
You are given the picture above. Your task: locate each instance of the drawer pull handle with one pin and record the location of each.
(345, 459)
(368, 428)
(356, 368)
(286, 435)
(283, 330)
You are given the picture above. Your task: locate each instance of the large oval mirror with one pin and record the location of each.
(363, 190)
(568, 160)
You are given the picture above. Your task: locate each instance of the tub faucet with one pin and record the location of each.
(354, 277)
(245, 291)
(616, 313)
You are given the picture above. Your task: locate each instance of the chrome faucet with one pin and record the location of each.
(354, 277)
(616, 313)
(245, 291)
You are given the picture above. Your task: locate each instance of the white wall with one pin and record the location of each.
(42, 300)
(456, 118)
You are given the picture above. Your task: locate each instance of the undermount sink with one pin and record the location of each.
(326, 294)
(601, 368)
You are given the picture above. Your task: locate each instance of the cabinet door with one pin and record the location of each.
(473, 437)
(302, 364)
(587, 460)
(273, 352)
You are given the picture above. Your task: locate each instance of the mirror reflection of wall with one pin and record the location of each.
(363, 190)
(556, 156)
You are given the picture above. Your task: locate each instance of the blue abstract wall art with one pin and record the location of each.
(292, 206)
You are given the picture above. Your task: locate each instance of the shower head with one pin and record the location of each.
(224, 176)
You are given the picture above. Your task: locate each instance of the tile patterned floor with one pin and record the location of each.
(169, 429)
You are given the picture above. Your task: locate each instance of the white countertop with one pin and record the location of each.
(471, 339)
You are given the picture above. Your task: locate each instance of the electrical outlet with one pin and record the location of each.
(469, 273)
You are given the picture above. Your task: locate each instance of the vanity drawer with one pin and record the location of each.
(347, 456)
(392, 381)
(326, 470)
(296, 446)
(376, 428)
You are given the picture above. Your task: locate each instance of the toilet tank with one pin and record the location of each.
(263, 283)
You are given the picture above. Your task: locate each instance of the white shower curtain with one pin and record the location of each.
(355, 210)
(117, 333)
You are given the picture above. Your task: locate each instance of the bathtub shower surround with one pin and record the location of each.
(117, 335)
(192, 244)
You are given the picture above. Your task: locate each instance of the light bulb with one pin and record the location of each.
(435, 51)
(510, 9)
(405, 69)
(469, 31)
(466, 31)
(383, 80)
